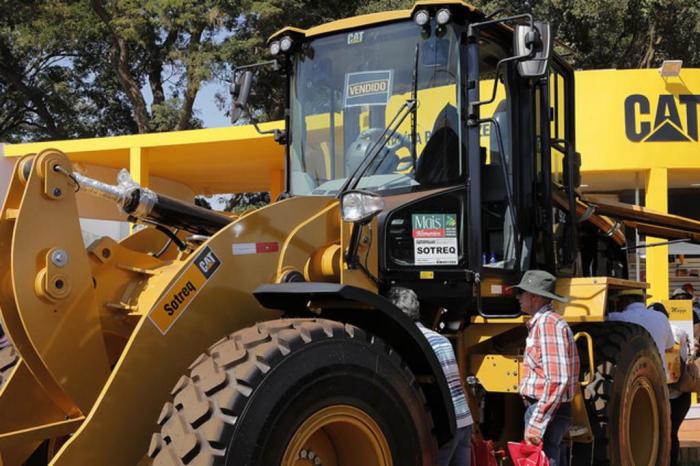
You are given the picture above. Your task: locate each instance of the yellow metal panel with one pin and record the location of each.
(139, 166)
(52, 317)
(496, 372)
(489, 328)
(305, 238)
(215, 160)
(39, 433)
(276, 183)
(657, 257)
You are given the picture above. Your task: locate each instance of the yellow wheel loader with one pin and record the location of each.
(431, 148)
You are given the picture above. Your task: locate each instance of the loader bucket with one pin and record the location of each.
(104, 333)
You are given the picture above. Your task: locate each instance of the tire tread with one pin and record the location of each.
(207, 403)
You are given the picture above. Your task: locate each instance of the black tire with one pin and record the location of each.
(629, 381)
(249, 393)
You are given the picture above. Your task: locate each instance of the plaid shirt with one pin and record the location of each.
(446, 355)
(551, 367)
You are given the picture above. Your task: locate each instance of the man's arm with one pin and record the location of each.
(555, 346)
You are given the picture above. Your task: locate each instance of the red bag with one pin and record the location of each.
(523, 454)
(483, 453)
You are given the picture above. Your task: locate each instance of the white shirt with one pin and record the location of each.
(681, 337)
(654, 322)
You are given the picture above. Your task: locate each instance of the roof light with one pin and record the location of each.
(671, 68)
(421, 17)
(443, 16)
(286, 43)
(274, 48)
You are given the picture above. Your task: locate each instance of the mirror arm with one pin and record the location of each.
(280, 135)
(472, 107)
(472, 35)
(275, 66)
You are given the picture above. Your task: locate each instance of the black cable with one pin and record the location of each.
(178, 242)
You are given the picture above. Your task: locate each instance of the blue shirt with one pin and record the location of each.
(446, 355)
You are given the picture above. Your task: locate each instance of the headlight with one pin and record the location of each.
(421, 17)
(359, 206)
(285, 43)
(274, 48)
(443, 16)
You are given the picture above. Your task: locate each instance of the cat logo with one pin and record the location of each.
(355, 37)
(207, 262)
(673, 120)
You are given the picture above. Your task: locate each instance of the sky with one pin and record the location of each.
(205, 106)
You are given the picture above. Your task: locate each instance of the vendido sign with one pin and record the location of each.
(666, 120)
(367, 88)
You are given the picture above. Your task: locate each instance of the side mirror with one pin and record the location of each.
(240, 90)
(536, 44)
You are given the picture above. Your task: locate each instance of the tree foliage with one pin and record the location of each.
(606, 33)
(76, 68)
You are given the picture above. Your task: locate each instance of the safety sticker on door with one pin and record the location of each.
(435, 239)
(181, 293)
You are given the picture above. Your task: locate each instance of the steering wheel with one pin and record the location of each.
(398, 141)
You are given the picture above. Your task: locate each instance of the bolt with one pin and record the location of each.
(106, 253)
(58, 284)
(303, 454)
(57, 192)
(59, 257)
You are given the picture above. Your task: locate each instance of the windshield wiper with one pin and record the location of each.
(376, 149)
(409, 107)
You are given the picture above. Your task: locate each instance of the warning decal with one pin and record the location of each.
(367, 88)
(241, 249)
(181, 293)
(435, 239)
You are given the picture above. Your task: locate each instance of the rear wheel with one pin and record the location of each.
(296, 392)
(627, 401)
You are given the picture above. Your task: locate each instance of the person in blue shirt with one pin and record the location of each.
(456, 452)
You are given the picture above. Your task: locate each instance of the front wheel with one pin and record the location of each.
(297, 392)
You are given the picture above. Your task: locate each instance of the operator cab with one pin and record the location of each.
(444, 135)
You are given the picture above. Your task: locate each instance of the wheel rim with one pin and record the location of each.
(339, 435)
(641, 418)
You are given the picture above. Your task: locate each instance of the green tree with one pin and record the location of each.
(71, 68)
(607, 33)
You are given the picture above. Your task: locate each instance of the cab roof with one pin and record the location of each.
(371, 19)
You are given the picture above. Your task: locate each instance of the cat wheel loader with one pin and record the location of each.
(431, 148)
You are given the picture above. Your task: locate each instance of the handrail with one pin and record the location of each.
(591, 364)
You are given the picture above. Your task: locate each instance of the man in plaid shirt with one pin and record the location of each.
(551, 366)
